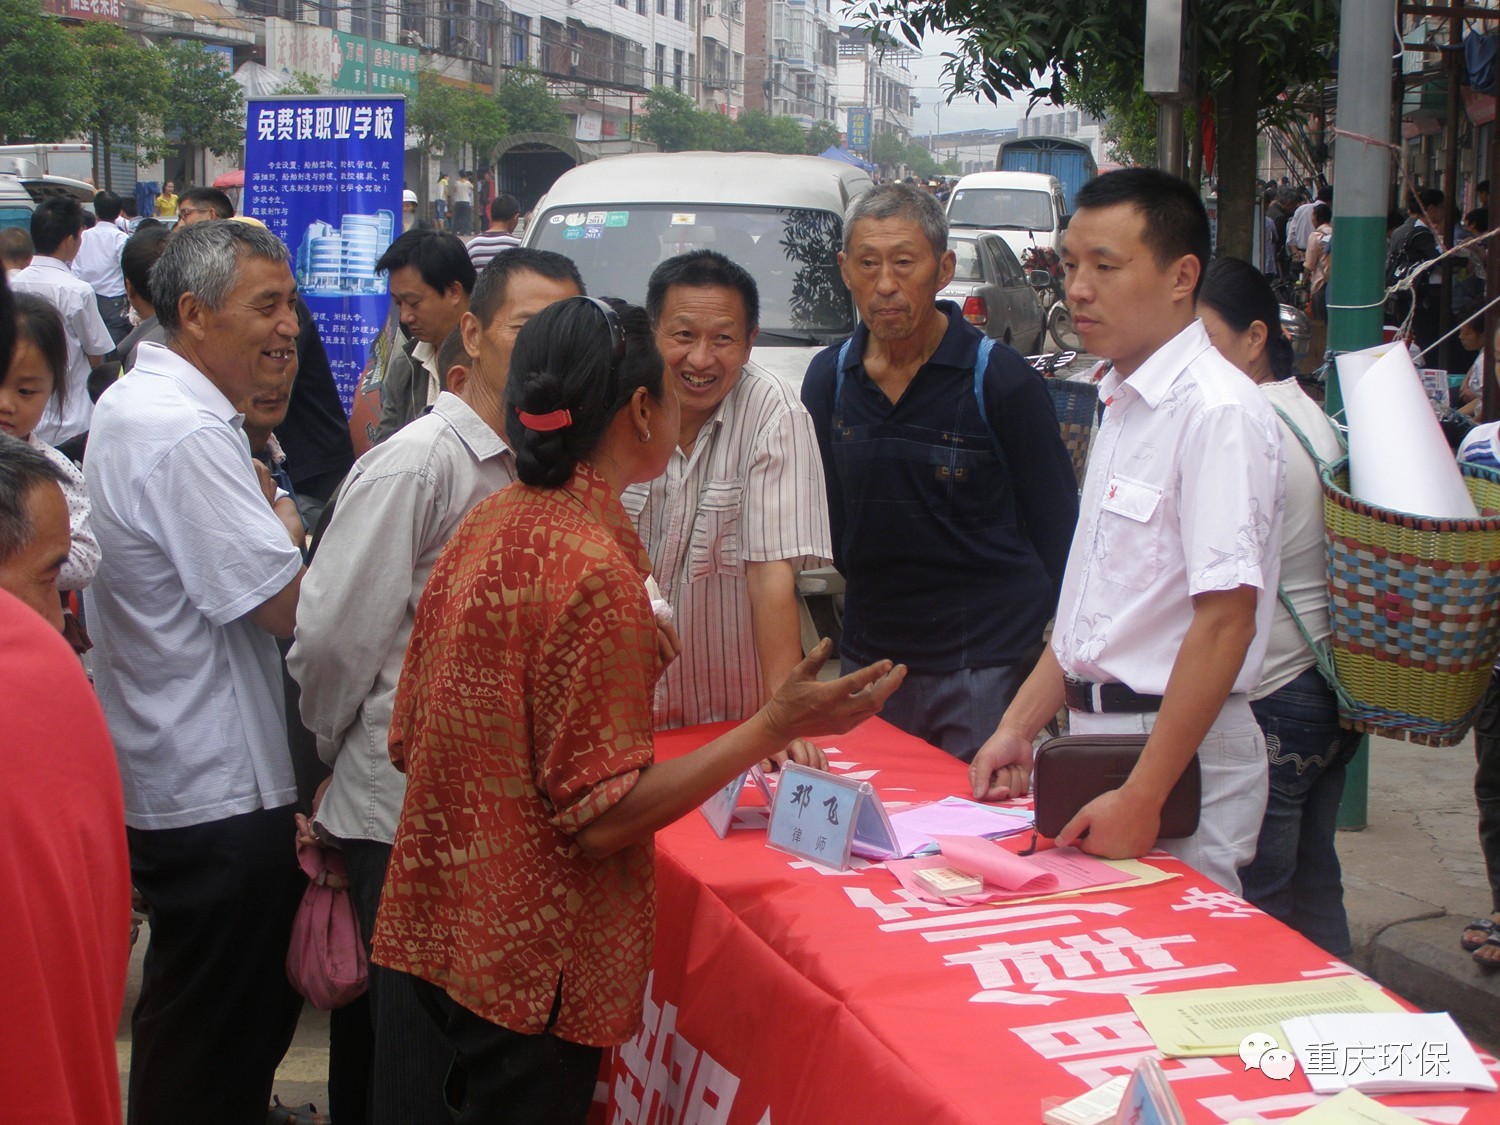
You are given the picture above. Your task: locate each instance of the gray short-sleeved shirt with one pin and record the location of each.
(191, 688)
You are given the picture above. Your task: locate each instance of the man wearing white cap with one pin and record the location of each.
(409, 220)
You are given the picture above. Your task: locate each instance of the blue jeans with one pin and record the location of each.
(1295, 876)
(955, 711)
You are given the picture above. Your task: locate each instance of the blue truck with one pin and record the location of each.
(1070, 161)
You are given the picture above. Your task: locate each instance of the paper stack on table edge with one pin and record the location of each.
(1212, 1022)
(1385, 1053)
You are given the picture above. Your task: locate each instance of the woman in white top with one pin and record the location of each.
(1295, 876)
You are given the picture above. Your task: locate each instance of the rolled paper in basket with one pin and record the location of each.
(1398, 457)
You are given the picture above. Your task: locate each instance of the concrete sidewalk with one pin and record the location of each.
(1414, 876)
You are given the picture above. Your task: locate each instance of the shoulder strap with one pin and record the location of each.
(838, 372)
(982, 365)
(1303, 438)
(1322, 653)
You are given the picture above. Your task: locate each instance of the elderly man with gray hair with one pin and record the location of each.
(951, 497)
(34, 535)
(198, 578)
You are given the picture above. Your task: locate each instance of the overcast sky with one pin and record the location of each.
(936, 114)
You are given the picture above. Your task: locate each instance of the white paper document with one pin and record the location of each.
(1398, 457)
(1385, 1053)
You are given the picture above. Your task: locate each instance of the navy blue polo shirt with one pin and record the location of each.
(952, 535)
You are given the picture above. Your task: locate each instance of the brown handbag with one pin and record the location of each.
(1070, 772)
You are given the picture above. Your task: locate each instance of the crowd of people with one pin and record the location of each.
(582, 523)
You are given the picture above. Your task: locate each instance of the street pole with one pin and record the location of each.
(1356, 284)
(1362, 177)
(1162, 79)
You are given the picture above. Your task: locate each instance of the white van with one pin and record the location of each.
(1026, 209)
(781, 217)
(23, 186)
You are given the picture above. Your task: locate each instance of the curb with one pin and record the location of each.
(1421, 960)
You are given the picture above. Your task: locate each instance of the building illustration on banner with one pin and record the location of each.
(332, 261)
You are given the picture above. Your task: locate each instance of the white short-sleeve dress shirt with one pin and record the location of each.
(189, 546)
(53, 281)
(751, 491)
(1183, 496)
(98, 260)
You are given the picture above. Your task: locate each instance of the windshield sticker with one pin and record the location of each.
(596, 218)
(577, 219)
(555, 220)
(593, 232)
(684, 219)
(617, 219)
(958, 195)
(572, 233)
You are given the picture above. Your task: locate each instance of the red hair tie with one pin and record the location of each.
(544, 423)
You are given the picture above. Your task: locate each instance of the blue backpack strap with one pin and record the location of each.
(981, 366)
(838, 372)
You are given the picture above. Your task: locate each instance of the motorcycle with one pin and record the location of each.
(1043, 262)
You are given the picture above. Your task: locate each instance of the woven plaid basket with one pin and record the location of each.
(1414, 603)
(1077, 407)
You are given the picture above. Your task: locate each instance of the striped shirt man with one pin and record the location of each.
(749, 491)
(483, 247)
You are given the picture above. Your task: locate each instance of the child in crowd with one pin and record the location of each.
(37, 372)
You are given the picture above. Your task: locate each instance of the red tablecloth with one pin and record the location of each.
(786, 993)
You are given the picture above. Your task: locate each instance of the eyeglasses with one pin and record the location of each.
(189, 212)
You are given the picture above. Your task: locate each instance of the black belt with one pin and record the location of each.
(1081, 695)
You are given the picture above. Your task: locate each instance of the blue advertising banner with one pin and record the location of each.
(859, 131)
(325, 174)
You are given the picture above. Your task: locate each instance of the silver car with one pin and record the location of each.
(994, 292)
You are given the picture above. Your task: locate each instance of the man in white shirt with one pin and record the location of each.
(98, 263)
(1168, 594)
(401, 504)
(197, 579)
(741, 508)
(56, 231)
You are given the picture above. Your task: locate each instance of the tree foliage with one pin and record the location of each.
(127, 88)
(763, 133)
(822, 136)
(1248, 54)
(206, 105)
(895, 154)
(58, 80)
(42, 97)
(674, 123)
(530, 107)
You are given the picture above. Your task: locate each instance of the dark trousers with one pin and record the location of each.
(115, 311)
(954, 711)
(1487, 784)
(502, 1077)
(387, 1061)
(216, 1013)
